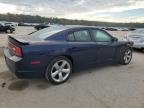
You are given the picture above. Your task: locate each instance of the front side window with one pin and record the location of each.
(101, 36)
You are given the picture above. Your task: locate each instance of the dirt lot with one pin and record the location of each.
(112, 86)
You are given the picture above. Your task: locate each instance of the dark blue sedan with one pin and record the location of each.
(55, 52)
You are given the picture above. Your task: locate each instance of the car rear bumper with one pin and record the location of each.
(17, 66)
(11, 60)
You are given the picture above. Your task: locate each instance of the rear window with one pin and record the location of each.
(82, 36)
(47, 32)
(71, 37)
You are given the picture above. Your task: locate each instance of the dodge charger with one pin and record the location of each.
(54, 53)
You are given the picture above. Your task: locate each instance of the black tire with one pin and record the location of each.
(123, 52)
(48, 73)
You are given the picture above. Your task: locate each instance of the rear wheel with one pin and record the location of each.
(59, 70)
(126, 56)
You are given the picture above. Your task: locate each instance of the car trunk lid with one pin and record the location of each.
(17, 40)
(15, 43)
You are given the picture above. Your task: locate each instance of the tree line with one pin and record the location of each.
(38, 19)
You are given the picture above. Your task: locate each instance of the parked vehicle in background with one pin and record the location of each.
(137, 37)
(55, 52)
(6, 27)
(9, 23)
(124, 29)
(41, 26)
(111, 29)
(45, 25)
(132, 29)
(27, 24)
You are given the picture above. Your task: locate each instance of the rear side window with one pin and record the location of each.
(82, 36)
(71, 37)
(101, 36)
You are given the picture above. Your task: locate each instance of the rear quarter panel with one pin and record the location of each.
(43, 53)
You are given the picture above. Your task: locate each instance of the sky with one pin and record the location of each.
(93, 10)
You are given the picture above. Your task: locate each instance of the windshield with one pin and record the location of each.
(47, 32)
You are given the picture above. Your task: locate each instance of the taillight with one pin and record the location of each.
(16, 50)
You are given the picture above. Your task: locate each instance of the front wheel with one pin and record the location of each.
(59, 70)
(126, 56)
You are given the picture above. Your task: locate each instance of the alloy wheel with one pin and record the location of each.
(127, 56)
(60, 70)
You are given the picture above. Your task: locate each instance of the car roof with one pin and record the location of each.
(59, 30)
(77, 26)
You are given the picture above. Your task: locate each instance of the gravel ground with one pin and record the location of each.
(110, 86)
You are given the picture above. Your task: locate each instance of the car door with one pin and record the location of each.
(104, 44)
(82, 48)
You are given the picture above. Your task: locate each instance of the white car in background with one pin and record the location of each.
(137, 37)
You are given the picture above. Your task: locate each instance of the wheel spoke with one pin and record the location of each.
(128, 52)
(66, 70)
(60, 76)
(54, 74)
(56, 66)
(129, 56)
(126, 60)
(63, 64)
(124, 57)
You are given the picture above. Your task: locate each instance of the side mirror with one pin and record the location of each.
(114, 39)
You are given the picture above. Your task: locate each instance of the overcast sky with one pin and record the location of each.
(97, 10)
